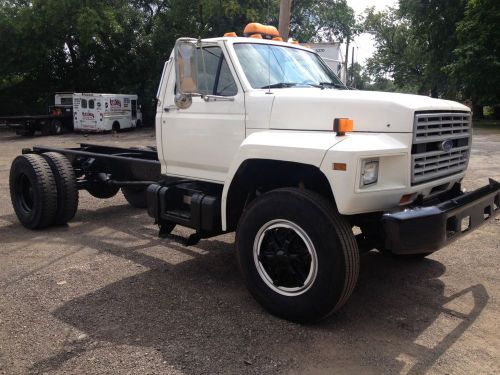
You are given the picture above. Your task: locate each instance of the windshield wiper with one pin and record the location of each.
(279, 85)
(332, 84)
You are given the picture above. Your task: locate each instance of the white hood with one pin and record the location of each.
(316, 109)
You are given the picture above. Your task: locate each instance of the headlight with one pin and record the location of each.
(369, 172)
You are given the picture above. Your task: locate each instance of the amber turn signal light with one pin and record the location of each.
(339, 167)
(343, 125)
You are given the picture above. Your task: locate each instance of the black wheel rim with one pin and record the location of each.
(285, 257)
(24, 193)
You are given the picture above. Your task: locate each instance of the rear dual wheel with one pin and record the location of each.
(67, 190)
(33, 191)
(43, 190)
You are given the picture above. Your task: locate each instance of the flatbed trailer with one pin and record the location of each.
(58, 122)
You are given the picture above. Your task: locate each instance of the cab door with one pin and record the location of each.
(201, 141)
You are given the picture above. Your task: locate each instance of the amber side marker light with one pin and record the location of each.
(339, 166)
(407, 199)
(343, 125)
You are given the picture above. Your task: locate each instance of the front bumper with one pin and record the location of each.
(427, 229)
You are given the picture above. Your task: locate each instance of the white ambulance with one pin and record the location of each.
(105, 112)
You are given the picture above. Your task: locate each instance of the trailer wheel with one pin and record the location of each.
(46, 128)
(297, 255)
(101, 190)
(135, 196)
(33, 191)
(67, 190)
(56, 127)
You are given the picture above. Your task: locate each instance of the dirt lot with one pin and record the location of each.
(106, 295)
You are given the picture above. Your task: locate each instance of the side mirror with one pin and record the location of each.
(186, 70)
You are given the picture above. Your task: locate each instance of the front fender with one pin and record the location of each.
(305, 147)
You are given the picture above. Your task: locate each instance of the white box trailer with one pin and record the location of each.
(105, 112)
(331, 53)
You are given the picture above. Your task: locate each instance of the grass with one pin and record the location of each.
(487, 122)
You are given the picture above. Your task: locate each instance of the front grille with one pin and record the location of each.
(441, 145)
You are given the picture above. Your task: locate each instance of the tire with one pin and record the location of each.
(116, 127)
(56, 127)
(313, 278)
(138, 124)
(33, 191)
(67, 190)
(46, 129)
(136, 197)
(102, 191)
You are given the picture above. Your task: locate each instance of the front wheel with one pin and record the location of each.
(298, 256)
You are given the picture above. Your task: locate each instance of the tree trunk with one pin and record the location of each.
(477, 110)
(496, 112)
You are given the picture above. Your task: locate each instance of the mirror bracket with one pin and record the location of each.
(183, 101)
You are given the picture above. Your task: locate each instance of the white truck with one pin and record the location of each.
(105, 112)
(260, 137)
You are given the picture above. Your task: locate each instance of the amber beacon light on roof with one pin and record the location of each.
(259, 31)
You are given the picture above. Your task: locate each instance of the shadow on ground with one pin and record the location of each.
(198, 315)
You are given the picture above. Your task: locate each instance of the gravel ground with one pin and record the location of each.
(106, 295)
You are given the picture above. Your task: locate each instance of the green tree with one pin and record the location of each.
(415, 43)
(323, 20)
(398, 53)
(121, 46)
(476, 62)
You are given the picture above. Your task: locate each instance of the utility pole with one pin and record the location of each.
(353, 83)
(346, 63)
(284, 21)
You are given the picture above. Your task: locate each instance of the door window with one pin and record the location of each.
(84, 103)
(91, 104)
(214, 76)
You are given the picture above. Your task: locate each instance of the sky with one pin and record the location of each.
(363, 44)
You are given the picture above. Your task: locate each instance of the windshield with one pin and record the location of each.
(273, 66)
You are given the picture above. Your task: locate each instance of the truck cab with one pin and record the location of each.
(262, 100)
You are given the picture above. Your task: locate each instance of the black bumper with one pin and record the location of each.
(427, 229)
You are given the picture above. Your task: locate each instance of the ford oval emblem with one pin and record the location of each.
(447, 145)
